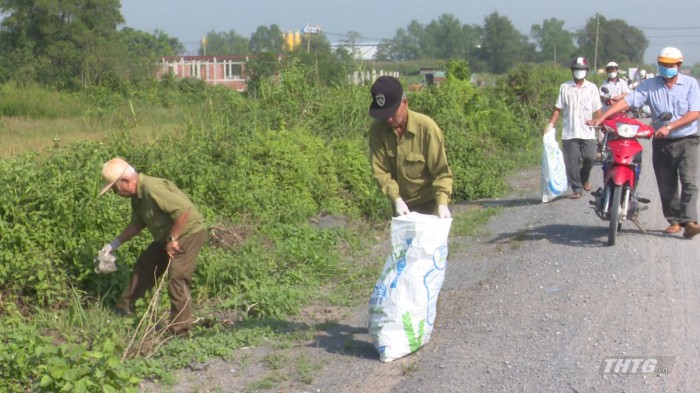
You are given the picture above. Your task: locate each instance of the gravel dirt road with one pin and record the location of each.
(539, 303)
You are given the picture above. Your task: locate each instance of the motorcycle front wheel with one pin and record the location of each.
(615, 203)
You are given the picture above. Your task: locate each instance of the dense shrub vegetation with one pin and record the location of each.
(274, 163)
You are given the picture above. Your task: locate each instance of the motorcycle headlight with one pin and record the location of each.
(627, 130)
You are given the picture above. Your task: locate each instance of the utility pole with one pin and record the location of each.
(308, 32)
(595, 58)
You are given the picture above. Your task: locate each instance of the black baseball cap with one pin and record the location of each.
(386, 97)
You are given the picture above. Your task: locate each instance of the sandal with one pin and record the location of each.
(674, 228)
(575, 195)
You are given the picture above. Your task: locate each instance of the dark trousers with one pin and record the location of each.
(676, 162)
(151, 265)
(429, 207)
(579, 155)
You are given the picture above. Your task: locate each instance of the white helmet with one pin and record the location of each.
(670, 55)
(612, 64)
(643, 73)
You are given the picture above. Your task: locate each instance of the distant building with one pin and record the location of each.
(369, 76)
(362, 50)
(226, 70)
(431, 76)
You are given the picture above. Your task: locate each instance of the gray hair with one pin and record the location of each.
(129, 172)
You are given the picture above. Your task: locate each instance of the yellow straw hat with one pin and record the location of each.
(112, 171)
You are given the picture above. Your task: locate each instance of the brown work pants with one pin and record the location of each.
(151, 265)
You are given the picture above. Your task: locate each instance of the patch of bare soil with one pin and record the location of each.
(229, 237)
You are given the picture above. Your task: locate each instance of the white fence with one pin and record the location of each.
(368, 77)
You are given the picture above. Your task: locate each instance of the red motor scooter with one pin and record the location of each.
(617, 200)
(607, 102)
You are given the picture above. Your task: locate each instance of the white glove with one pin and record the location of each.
(112, 246)
(106, 263)
(444, 212)
(401, 207)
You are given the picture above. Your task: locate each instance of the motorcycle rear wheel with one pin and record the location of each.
(615, 203)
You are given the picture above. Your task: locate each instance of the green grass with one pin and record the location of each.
(277, 165)
(21, 135)
(409, 368)
(305, 367)
(472, 221)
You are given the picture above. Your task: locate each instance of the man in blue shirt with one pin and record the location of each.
(675, 144)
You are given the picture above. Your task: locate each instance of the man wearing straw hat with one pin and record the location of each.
(178, 234)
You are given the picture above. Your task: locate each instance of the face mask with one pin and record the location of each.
(579, 74)
(668, 73)
(612, 75)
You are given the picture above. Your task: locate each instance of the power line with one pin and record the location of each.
(673, 36)
(695, 43)
(360, 36)
(668, 28)
(379, 40)
(343, 44)
(646, 28)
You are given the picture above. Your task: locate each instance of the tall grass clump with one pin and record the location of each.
(531, 92)
(484, 138)
(34, 101)
(266, 176)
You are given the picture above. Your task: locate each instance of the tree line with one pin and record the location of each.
(70, 45)
(497, 46)
(81, 43)
(74, 44)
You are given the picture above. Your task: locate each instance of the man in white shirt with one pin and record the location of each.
(617, 88)
(578, 101)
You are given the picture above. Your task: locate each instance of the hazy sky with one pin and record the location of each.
(665, 23)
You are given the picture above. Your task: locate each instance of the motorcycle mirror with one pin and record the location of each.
(604, 90)
(664, 116)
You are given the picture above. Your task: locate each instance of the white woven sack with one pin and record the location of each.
(554, 182)
(402, 308)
